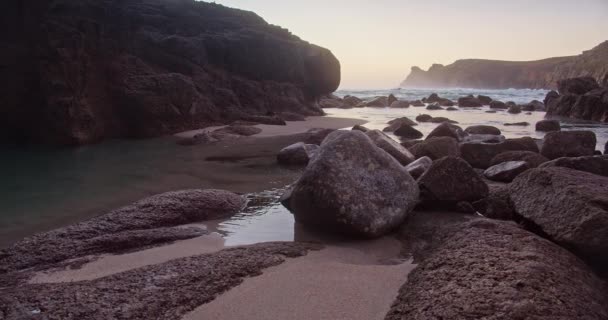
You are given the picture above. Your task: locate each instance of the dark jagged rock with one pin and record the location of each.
(417, 103)
(548, 125)
(396, 123)
(351, 100)
(569, 206)
(534, 159)
(434, 106)
(361, 128)
(400, 104)
(378, 102)
(482, 129)
(408, 132)
(533, 105)
(490, 269)
(469, 102)
(298, 153)
(145, 222)
(391, 99)
(434, 98)
(568, 144)
(577, 86)
(497, 205)
(436, 148)
(448, 130)
(551, 95)
(514, 109)
(485, 100)
(506, 171)
(498, 105)
(317, 135)
(606, 148)
(391, 146)
(480, 155)
(353, 187)
(451, 109)
(419, 167)
(424, 118)
(592, 164)
(410, 143)
(451, 180)
(77, 72)
(494, 74)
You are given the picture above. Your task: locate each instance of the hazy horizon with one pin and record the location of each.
(377, 43)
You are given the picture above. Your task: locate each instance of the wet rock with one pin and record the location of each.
(533, 159)
(391, 146)
(434, 107)
(506, 171)
(569, 206)
(469, 102)
(480, 155)
(592, 164)
(483, 138)
(578, 86)
(391, 98)
(410, 143)
(451, 109)
(533, 105)
(351, 100)
(378, 102)
(199, 138)
(298, 153)
(514, 109)
(593, 105)
(497, 205)
(353, 187)
(361, 128)
(518, 124)
(238, 130)
(143, 223)
(400, 104)
(419, 167)
(482, 129)
(317, 135)
(436, 148)
(485, 100)
(490, 269)
(448, 130)
(551, 95)
(408, 132)
(490, 111)
(568, 144)
(396, 123)
(498, 105)
(417, 103)
(548, 125)
(451, 179)
(428, 118)
(424, 118)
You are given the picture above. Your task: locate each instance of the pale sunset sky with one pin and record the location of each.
(377, 42)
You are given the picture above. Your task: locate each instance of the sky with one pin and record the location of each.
(377, 42)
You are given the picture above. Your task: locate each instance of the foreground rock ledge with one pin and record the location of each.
(353, 187)
(495, 270)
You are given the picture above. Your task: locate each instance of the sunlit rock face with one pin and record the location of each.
(75, 72)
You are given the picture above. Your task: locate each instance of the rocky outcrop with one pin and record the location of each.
(396, 123)
(76, 72)
(569, 206)
(406, 131)
(559, 144)
(579, 98)
(548, 126)
(494, 74)
(451, 180)
(489, 269)
(146, 222)
(469, 102)
(353, 187)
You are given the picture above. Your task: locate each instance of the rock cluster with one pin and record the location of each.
(580, 98)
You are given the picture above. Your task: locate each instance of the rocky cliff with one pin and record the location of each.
(494, 74)
(78, 71)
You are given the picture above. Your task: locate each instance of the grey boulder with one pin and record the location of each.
(568, 144)
(297, 154)
(391, 146)
(506, 171)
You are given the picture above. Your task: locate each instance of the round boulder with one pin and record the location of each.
(408, 132)
(481, 129)
(448, 130)
(391, 146)
(436, 148)
(559, 144)
(353, 187)
(451, 179)
(548, 125)
(297, 154)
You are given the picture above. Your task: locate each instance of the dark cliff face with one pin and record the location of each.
(494, 74)
(78, 71)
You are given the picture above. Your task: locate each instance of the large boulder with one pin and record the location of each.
(353, 187)
(351, 101)
(533, 159)
(514, 109)
(451, 179)
(406, 131)
(593, 105)
(577, 86)
(448, 130)
(400, 104)
(378, 102)
(391, 98)
(419, 167)
(498, 105)
(490, 269)
(569, 206)
(396, 123)
(548, 126)
(497, 205)
(317, 135)
(482, 129)
(568, 144)
(391, 146)
(469, 102)
(480, 155)
(485, 100)
(298, 153)
(592, 164)
(361, 128)
(551, 95)
(506, 171)
(436, 148)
